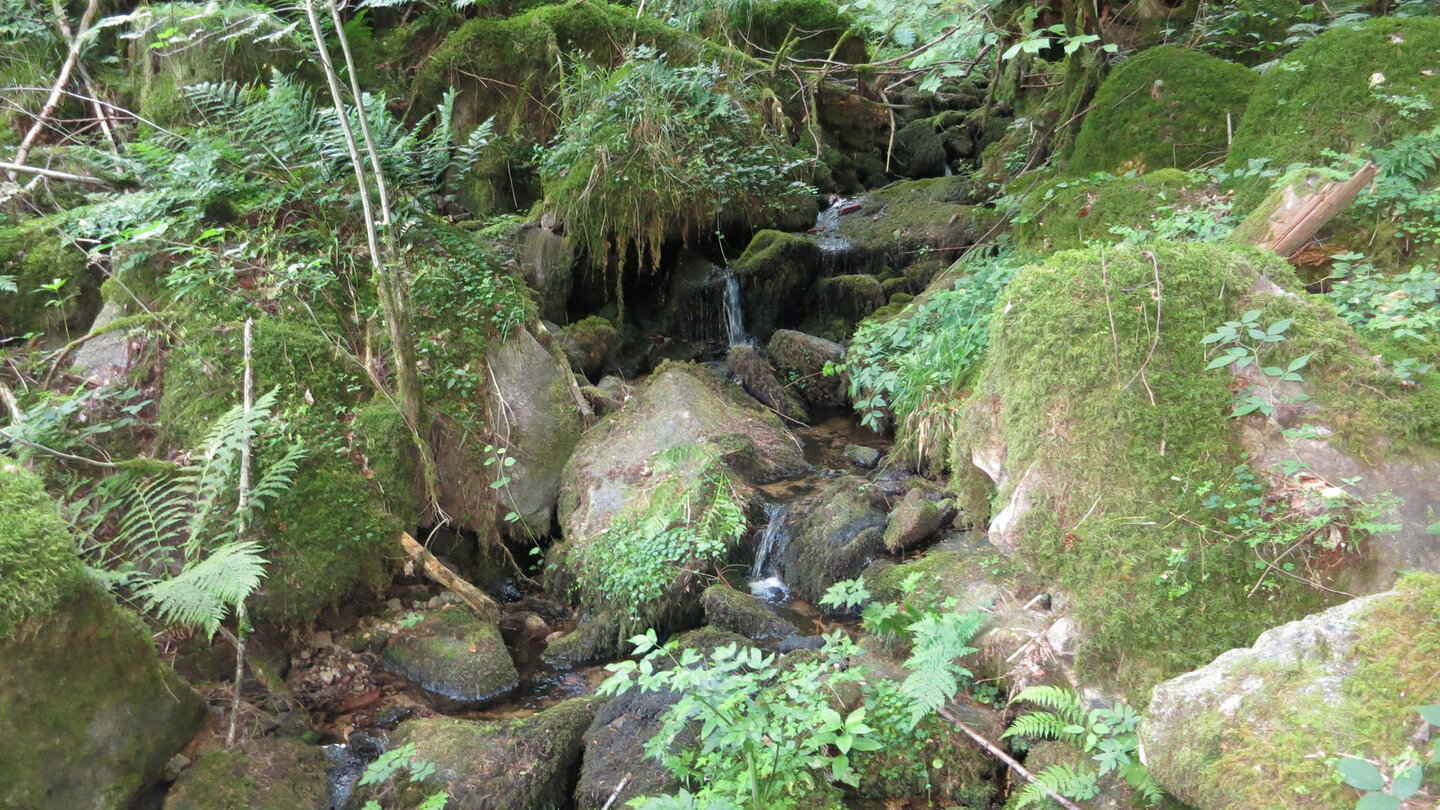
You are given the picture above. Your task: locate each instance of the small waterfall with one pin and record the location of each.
(765, 583)
(734, 315)
(837, 256)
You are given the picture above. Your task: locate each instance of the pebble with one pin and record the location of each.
(321, 639)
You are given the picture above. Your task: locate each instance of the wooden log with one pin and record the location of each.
(1301, 215)
(483, 606)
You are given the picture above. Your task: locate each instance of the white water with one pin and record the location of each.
(765, 581)
(734, 315)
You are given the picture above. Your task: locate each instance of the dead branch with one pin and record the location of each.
(1301, 216)
(482, 605)
(19, 168)
(72, 57)
(1004, 757)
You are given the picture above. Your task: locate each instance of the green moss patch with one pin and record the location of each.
(266, 774)
(1164, 108)
(36, 254)
(1347, 87)
(1066, 213)
(38, 563)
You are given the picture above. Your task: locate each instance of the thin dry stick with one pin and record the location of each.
(384, 194)
(18, 168)
(1114, 336)
(71, 58)
(100, 116)
(243, 501)
(615, 794)
(1155, 341)
(1005, 758)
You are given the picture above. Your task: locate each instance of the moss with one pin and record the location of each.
(266, 774)
(327, 535)
(388, 449)
(1164, 108)
(1066, 213)
(850, 298)
(807, 29)
(910, 221)
(236, 42)
(729, 609)
(88, 714)
(835, 533)
(1320, 97)
(589, 345)
(38, 563)
(454, 654)
(1064, 392)
(35, 253)
(596, 638)
(774, 272)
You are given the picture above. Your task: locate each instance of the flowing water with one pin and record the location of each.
(734, 315)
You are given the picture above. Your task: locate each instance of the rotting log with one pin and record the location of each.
(1301, 215)
(483, 606)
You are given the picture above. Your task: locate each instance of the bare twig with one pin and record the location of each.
(1000, 754)
(482, 605)
(1155, 340)
(242, 502)
(615, 794)
(72, 57)
(19, 168)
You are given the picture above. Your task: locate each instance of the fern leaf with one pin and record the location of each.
(202, 595)
(1063, 779)
(934, 676)
(1040, 726)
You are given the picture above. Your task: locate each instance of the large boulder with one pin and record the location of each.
(687, 427)
(1064, 213)
(729, 609)
(1338, 91)
(1167, 107)
(916, 519)
(774, 272)
(802, 359)
(548, 266)
(268, 773)
(528, 763)
(896, 225)
(455, 655)
(1262, 726)
(88, 713)
(590, 345)
(834, 534)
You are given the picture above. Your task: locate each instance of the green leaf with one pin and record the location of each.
(1431, 713)
(1358, 773)
(1250, 316)
(1404, 784)
(1299, 362)
(1222, 360)
(1280, 326)
(1377, 801)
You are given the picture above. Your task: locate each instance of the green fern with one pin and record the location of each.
(1064, 717)
(935, 677)
(1063, 779)
(202, 594)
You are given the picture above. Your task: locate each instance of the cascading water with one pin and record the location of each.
(765, 582)
(734, 316)
(837, 255)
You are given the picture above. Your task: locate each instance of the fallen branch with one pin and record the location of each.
(1299, 218)
(1005, 758)
(72, 57)
(482, 605)
(623, 782)
(20, 168)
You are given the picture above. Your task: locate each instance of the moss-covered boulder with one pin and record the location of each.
(1244, 730)
(919, 150)
(56, 291)
(1348, 87)
(898, 224)
(89, 714)
(615, 762)
(595, 638)
(268, 773)
(774, 272)
(729, 609)
(850, 299)
(184, 44)
(757, 377)
(1065, 213)
(834, 534)
(547, 263)
(684, 433)
(916, 519)
(455, 655)
(801, 359)
(1074, 410)
(1167, 107)
(528, 763)
(590, 345)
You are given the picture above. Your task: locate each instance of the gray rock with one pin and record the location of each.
(596, 638)
(758, 379)
(729, 609)
(866, 458)
(914, 521)
(834, 534)
(802, 358)
(455, 655)
(548, 266)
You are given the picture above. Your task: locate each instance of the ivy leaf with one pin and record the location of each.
(1377, 801)
(1406, 782)
(1358, 773)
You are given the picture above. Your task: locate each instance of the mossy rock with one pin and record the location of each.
(942, 574)
(328, 534)
(757, 377)
(1166, 107)
(1242, 731)
(387, 448)
(528, 763)
(1065, 213)
(919, 150)
(851, 298)
(35, 253)
(265, 774)
(615, 763)
(595, 638)
(39, 568)
(915, 520)
(547, 263)
(590, 345)
(729, 609)
(905, 222)
(834, 534)
(802, 359)
(185, 44)
(774, 272)
(1320, 97)
(1061, 418)
(806, 28)
(89, 715)
(454, 654)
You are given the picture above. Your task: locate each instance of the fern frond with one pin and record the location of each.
(1064, 702)
(1041, 726)
(202, 595)
(470, 152)
(934, 676)
(1062, 779)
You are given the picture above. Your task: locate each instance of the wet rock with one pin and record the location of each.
(774, 272)
(850, 298)
(596, 638)
(915, 520)
(590, 345)
(729, 609)
(455, 655)
(264, 774)
(866, 458)
(802, 358)
(795, 643)
(834, 534)
(758, 378)
(528, 763)
(615, 749)
(600, 402)
(919, 150)
(548, 266)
